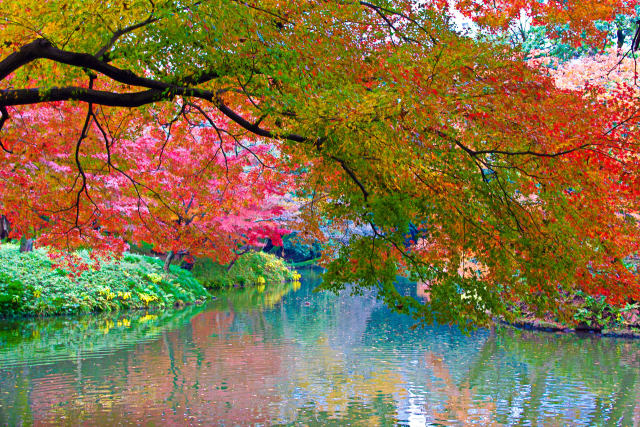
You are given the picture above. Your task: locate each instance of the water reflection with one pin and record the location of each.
(293, 356)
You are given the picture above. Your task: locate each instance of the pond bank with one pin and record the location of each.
(32, 285)
(584, 314)
(547, 326)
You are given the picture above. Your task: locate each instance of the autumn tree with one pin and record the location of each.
(131, 180)
(460, 165)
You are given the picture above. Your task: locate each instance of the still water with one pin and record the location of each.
(291, 356)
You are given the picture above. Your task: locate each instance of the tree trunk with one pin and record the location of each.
(26, 245)
(4, 227)
(620, 35)
(179, 256)
(167, 261)
(233, 261)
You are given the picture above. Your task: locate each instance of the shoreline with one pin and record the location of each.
(552, 327)
(96, 313)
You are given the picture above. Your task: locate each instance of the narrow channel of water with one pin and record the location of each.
(291, 356)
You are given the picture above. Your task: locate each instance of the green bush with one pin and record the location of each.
(30, 286)
(11, 293)
(595, 312)
(251, 269)
(209, 273)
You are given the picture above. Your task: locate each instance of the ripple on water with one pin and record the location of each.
(341, 359)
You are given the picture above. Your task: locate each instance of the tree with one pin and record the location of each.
(125, 181)
(609, 72)
(572, 21)
(445, 150)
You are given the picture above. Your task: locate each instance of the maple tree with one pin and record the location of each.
(572, 21)
(467, 168)
(608, 72)
(128, 179)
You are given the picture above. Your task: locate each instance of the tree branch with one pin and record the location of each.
(3, 119)
(43, 49)
(121, 32)
(113, 99)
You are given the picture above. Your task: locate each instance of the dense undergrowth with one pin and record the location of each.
(258, 269)
(30, 286)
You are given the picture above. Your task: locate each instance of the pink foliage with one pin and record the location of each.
(193, 185)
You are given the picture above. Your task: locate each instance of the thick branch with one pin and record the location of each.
(475, 153)
(113, 99)
(43, 49)
(635, 44)
(352, 175)
(157, 91)
(253, 127)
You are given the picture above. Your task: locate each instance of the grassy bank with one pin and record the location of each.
(29, 286)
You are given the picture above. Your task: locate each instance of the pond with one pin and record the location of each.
(291, 356)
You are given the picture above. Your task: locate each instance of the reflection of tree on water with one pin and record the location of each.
(559, 378)
(461, 404)
(34, 391)
(380, 411)
(334, 386)
(352, 316)
(197, 372)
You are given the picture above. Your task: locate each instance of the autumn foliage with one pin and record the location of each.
(450, 158)
(128, 179)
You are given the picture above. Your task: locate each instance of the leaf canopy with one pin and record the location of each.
(442, 156)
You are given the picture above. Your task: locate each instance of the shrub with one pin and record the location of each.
(11, 294)
(251, 269)
(596, 313)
